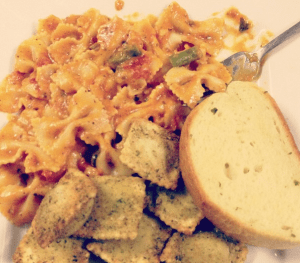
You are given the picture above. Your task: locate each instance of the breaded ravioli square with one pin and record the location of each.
(66, 250)
(202, 247)
(152, 152)
(146, 247)
(118, 208)
(177, 209)
(65, 208)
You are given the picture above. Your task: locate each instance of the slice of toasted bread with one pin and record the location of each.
(241, 165)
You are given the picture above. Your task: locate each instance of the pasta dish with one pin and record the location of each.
(80, 82)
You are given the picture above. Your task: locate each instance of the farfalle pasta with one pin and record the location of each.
(80, 82)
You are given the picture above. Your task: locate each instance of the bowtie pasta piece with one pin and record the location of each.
(189, 85)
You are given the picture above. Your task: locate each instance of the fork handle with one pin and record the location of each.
(295, 29)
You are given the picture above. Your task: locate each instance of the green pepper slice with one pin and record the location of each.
(126, 53)
(184, 57)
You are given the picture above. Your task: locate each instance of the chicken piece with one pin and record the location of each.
(65, 208)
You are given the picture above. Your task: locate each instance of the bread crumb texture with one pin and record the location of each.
(202, 247)
(118, 208)
(146, 247)
(66, 250)
(65, 208)
(152, 152)
(177, 209)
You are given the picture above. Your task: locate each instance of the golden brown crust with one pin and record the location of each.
(158, 162)
(118, 208)
(65, 208)
(202, 247)
(219, 217)
(177, 209)
(66, 250)
(146, 247)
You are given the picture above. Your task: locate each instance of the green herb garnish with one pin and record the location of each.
(214, 110)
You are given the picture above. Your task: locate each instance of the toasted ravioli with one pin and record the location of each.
(65, 208)
(177, 209)
(145, 248)
(152, 152)
(118, 208)
(66, 250)
(202, 247)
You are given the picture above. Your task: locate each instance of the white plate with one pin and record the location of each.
(18, 20)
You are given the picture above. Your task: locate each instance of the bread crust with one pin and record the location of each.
(216, 214)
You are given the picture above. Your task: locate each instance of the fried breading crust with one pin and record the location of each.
(65, 208)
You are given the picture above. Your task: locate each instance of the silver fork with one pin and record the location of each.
(246, 66)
